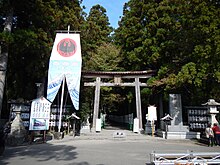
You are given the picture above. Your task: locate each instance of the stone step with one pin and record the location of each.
(113, 134)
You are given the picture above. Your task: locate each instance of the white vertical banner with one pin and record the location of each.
(65, 63)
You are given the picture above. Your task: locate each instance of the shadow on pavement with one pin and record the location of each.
(41, 153)
(82, 163)
(199, 142)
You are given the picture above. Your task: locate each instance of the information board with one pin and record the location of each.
(40, 114)
(152, 113)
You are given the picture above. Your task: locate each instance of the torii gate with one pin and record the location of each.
(117, 76)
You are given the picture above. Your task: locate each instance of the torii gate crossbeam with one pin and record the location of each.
(117, 76)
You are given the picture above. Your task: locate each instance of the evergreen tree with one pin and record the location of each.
(95, 31)
(98, 26)
(179, 39)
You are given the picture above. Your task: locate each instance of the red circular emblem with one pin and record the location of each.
(66, 47)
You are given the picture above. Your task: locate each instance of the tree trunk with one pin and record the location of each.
(4, 57)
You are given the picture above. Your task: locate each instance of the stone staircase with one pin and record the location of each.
(113, 134)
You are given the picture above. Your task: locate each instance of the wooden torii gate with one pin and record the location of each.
(117, 77)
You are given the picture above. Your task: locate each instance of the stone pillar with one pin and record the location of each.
(162, 125)
(175, 108)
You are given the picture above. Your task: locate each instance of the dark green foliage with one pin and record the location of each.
(95, 31)
(105, 58)
(180, 39)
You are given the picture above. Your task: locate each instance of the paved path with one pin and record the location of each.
(99, 149)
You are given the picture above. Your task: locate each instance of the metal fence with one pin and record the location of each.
(188, 158)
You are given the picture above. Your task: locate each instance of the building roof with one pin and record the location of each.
(211, 102)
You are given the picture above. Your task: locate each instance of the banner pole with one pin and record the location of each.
(152, 127)
(61, 104)
(68, 29)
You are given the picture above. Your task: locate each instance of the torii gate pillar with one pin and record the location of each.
(96, 103)
(97, 98)
(117, 76)
(138, 102)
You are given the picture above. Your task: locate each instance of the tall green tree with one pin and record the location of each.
(180, 39)
(95, 31)
(106, 58)
(98, 28)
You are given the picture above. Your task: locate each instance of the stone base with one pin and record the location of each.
(58, 135)
(178, 128)
(119, 134)
(85, 129)
(179, 135)
(148, 128)
(15, 140)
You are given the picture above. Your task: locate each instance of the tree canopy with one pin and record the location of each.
(179, 39)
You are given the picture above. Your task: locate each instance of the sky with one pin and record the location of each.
(114, 9)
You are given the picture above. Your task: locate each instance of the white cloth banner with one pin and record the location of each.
(65, 62)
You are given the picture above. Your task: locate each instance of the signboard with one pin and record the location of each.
(152, 113)
(40, 114)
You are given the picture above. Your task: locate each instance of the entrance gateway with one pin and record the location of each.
(117, 77)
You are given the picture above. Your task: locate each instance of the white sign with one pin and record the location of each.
(40, 114)
(152, 113)
(136, 126)
(98, 125)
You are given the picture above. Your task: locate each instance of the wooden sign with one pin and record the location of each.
(152, 113)
(40, 114)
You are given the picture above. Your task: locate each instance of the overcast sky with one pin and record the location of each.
(114, 9)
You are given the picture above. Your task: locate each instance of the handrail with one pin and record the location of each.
(203, 158)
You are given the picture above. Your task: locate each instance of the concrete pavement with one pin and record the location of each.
(99, 149)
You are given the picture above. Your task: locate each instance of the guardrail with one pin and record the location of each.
(188, 158)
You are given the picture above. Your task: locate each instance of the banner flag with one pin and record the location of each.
(65, 62)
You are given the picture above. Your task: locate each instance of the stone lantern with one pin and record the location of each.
(18, 131)
(212, 110)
